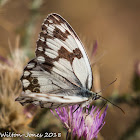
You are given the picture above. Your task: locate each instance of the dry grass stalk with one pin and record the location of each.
(12, 116)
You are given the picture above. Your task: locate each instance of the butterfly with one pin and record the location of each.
(60, 74)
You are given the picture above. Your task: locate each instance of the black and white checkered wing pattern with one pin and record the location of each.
(59, 49)
(60, 71)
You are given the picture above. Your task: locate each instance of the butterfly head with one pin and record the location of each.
(94, 95)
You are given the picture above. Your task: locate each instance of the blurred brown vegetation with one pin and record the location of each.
(115, 26)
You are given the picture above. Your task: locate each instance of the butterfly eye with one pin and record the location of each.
(96, 96)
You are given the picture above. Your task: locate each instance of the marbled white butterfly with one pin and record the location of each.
(61, 74)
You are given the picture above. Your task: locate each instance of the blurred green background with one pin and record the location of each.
(115, 24)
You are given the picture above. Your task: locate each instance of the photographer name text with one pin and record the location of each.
(38, 135)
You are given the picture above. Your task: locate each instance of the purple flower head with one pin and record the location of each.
(81, 124)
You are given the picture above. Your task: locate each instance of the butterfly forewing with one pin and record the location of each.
(60, 71)
(59, 49)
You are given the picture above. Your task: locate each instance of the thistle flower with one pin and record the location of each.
(79, 124)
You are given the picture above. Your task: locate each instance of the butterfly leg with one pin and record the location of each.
(58, 106)
(76, 109)
(87, 110)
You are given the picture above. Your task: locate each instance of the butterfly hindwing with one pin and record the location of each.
(47, 89)
(36, 79)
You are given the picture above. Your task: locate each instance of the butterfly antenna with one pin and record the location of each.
(107, 86)
(113, 104)
(107, 99)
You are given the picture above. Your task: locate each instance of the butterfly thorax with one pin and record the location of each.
(89, 94)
